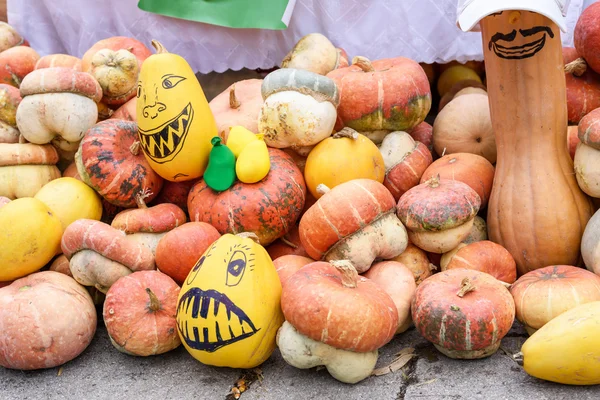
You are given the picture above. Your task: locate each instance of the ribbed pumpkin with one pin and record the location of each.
(238, 105)
(484, 256)
(465, 314)
(340, 158)
(583, 86)
(528, 214)
(543, 294)
(109, 160)
(59, 60)
(391, 94)
(268, 208)
(354, 221)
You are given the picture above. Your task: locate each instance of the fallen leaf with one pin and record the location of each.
(402, 358)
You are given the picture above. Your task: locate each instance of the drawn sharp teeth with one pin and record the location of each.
(218, 332)
(231, 332)
(228, 314)
(217, 305)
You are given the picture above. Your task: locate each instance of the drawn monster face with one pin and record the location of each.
(521, 43)
(210, 311)
(167, 116)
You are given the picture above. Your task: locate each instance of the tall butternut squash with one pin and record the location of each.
(536, 209)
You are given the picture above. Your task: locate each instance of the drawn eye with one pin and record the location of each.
(139, 91)
(170, 81)
(236, 268)
(195, 270)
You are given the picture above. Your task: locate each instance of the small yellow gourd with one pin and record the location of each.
(229, 308)
(238, 138)
(345, 156)
(254, 162)
(175, 122)
(567, 348)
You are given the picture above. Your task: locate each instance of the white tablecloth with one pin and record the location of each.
(424, 30)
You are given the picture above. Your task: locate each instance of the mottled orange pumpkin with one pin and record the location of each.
(391, 94)
(268, 208)
(110, 161)
(464, 313)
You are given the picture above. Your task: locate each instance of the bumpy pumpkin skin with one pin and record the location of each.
(587, 36)
(229, 308)
(401, 102)
(175, 122)
(465, 327)
(106, 163)
(268, 208)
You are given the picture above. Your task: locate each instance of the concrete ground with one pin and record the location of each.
(102, 372)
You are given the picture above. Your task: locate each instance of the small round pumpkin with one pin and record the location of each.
(47, 319)
(110, 161)
(465, 126)
(189, 241)
(30, 237)
(397, 281)
(354, 221)
(438, 213)
(388, 94)
(542, 294)
(415, 259)
(485, 256)
(340, 158)
(59, 60)
(586, 36)
(117, 73)
(238, 105)
(70, 200)
(139, 313)
(9, 37)
(472, 169)
(268, 208)
(313, 52)
(16, 63)
(329, 302)
(464, 313)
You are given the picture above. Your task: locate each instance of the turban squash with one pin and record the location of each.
(268, 208)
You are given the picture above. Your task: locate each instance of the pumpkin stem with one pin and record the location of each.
(141, 196)
(22, 139)
(466, 287)
(154, 302)
(434, 181)
(233, 101)
(346, 132)
(518, 358)
(288, 242)
(363, 63)
(160, 49)
(250, 235)
(135, 148)
(349, 273)
(576, 67)
(322, 189)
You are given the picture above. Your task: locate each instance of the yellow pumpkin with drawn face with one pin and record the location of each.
(175, 123)
(229, 310)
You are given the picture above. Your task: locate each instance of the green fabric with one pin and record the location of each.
(220, 172)
(260, 14)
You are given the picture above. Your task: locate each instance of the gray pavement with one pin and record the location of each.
(102, 372)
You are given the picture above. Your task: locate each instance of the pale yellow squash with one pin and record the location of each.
(253, 163)
(239, 137)
(174, 120)
(29, 238)
(567, 348)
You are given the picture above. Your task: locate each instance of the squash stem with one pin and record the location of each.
(346, 132)
(322, 189)
(576, 67)
(250, 235)
(349, 273)
(233, 101)
(154, 302)
(135, 148)
(140, 197)
(160, 49)
(363, 63)
(466, 287)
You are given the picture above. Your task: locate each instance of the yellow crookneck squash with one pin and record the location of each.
(174, 120)
(229, 308)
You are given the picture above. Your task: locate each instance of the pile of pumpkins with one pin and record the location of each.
(313, 211)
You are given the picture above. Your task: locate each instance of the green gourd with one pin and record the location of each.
(220, 172)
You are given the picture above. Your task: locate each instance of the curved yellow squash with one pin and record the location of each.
(229, 309)
(174, 120)
(567, 349)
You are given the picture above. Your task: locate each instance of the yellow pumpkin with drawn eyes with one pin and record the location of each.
(229, 310)
(175, 123)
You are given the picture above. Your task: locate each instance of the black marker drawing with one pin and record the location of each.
(520, 52)
(197, 334)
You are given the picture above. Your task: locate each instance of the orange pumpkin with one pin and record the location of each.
(15, 63)
(583, 88)
(287, 244)
(287, 265)
(488, 257)
(59, 60)
(268, 208)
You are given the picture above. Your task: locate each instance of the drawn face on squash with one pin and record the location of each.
(167, 114)
(229, 304)
(518, 44)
